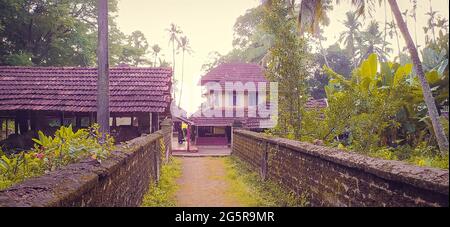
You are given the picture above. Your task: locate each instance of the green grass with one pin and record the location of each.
(247, 187)
(163, 194)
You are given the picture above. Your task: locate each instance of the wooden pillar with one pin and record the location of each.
(61, 119)
(91, 118)
(155, 122)
(33, 121)
(144, 123)
(16, 126)
(114, 121)
(78, 121)
(7, 128)
(196, 134)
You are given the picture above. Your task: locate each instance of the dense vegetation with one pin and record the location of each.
(52, 153)
(376, 100)
(64, 33)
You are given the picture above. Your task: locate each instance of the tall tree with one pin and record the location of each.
(371, 42)
(428, 96)
(431, 22)
(103, 68)
(392, 31)
(288, 64)
(185, 48)
(413, 15)
(308, 15)
(135, 51)
(174, 32)
(51, 32)
(349, 36)
(156, 49)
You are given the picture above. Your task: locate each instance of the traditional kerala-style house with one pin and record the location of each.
(44, 98)
(217, 130)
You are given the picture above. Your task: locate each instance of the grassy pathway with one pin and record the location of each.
(214, 182)
(203, 184)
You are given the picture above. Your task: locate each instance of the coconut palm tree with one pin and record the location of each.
(174, 32)
(392, 31)
(156, 49)
(431, 23)
(349, 36)
(371, 42)
(413, 15)
(311, 10)
(185, 48)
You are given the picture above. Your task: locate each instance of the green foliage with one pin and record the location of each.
(135, 50)
(386, 105)
(62, 33)
(288, 64)
(51, 153)
(337, 60)
(163, 193)
(422, 155)
(378, 111)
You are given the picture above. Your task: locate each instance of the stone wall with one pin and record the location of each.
(121, 180)
(330, 177)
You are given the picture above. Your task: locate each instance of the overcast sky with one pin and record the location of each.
(209, 26)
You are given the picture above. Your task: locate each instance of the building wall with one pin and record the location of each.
(329, 177)
(121, 180)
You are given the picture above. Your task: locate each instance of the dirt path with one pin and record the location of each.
(202, 183)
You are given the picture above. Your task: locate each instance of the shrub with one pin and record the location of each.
(51, 153)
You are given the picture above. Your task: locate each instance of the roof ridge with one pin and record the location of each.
(80, 68)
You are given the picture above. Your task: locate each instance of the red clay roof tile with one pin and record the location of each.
(74, 89)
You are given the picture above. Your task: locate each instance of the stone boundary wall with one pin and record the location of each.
(119, 181)
(330, 177)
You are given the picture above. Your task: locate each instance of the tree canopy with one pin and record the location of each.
(62, 33)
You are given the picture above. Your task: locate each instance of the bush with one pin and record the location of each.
(51, 153)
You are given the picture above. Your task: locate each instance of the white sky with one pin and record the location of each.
(209, 26)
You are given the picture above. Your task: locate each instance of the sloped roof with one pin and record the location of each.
(248, 122)
(244, 72)
(316, 103)
(70, 89)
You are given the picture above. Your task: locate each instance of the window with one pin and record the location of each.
(84, 122)
(252, 98)
(238, 99)
(230, 99)
(213, 99)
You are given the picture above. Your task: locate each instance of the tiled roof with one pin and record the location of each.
(244, 72)
(316, 103)
(74, 89)
(227, 121)
(249, 122)
(254, 121)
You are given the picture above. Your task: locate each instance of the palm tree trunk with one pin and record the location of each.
(182, 77)
(323, 53)
(396, 34)
(385, 27)
(428, 96)
(103, 69)
(173, 69)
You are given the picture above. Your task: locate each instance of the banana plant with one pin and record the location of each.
(390, 92)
